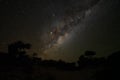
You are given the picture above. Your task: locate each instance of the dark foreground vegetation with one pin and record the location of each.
(17, 65)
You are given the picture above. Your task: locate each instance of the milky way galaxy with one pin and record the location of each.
(63, 27)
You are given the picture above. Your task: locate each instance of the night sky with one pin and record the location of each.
(61, 29)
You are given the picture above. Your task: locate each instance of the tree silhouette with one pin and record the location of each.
(18, 48)
(87, 59)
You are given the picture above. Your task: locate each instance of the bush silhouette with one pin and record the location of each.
(18, 48)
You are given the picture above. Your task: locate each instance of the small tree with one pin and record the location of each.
(18, 48)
